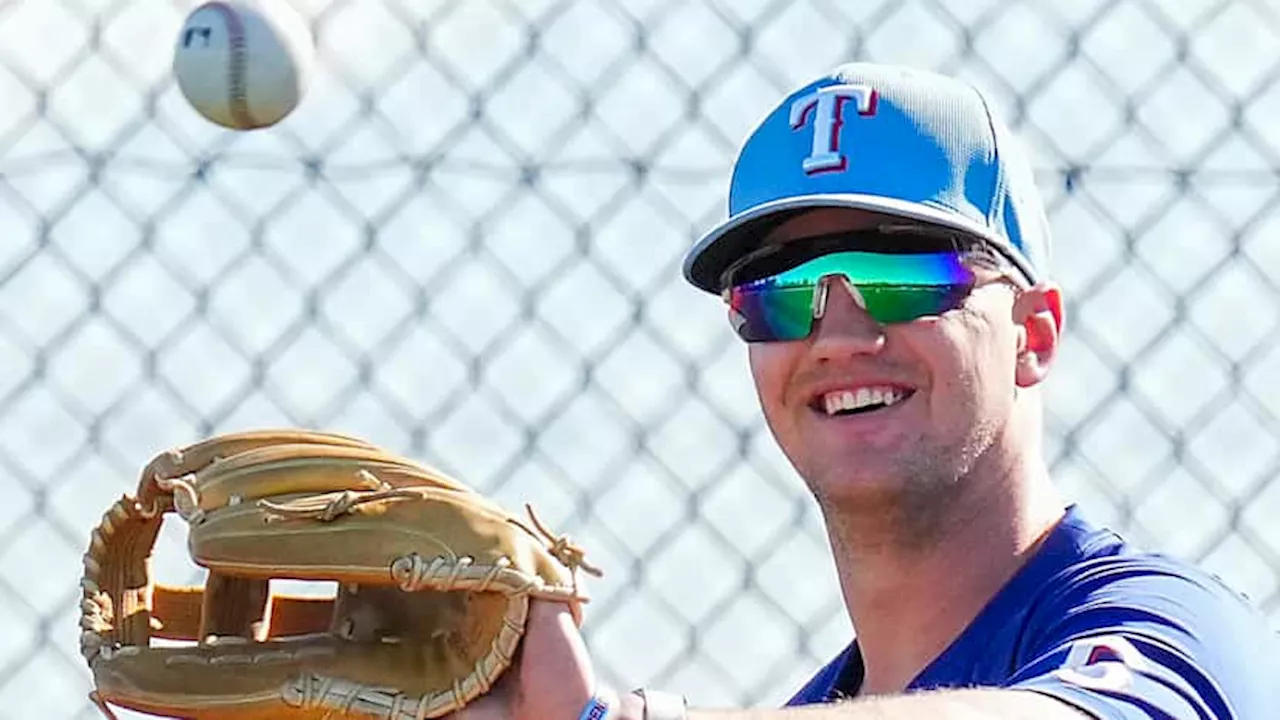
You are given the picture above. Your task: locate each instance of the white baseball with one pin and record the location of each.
(242, 64)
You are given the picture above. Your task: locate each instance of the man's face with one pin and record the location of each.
(941, 388)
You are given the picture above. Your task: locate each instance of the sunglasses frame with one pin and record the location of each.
(976, 254)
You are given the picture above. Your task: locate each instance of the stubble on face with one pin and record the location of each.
(920, 489)
(919, 483)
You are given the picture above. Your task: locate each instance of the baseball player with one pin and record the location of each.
(886, 263)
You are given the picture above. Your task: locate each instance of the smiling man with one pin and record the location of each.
(886, 262)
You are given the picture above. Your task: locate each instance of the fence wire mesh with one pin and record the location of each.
(465, 245)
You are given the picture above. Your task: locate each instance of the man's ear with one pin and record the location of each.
(1038, 313)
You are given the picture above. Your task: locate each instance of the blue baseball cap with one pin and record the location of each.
(893, 140)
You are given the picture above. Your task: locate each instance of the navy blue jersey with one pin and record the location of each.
(1118, 633)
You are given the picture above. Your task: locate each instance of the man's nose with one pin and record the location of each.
(845, 327)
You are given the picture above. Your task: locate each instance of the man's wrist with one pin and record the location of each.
(630, 706)
(607, 704)
(656, 705)
(635, 705)
(601, 706)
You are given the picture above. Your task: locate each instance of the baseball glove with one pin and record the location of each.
(433, 580)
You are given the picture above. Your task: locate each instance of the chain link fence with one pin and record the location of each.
(465, 245)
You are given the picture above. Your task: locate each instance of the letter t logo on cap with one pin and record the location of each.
(825, 106)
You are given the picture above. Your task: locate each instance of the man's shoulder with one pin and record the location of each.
(1095, 563)
(1112, 592)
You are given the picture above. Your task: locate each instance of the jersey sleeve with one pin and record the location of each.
(1137, 643)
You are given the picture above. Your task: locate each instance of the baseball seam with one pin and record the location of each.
(237, 48)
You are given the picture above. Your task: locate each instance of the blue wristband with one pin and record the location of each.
(596, 709)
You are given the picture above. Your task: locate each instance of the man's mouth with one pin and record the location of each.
(841, 403)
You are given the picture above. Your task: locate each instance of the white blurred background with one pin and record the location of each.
(465, 246)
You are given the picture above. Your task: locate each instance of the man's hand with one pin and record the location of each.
(551, 678)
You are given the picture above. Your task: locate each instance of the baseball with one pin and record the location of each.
(244, 64)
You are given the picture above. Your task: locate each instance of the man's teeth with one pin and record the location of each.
(845, 400)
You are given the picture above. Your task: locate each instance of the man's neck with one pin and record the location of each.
(909, 600)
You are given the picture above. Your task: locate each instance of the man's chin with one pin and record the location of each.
(875, 483)
(865, 486)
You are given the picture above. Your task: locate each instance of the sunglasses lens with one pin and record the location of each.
(895, 287)
(762, 313)
(903, 303)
